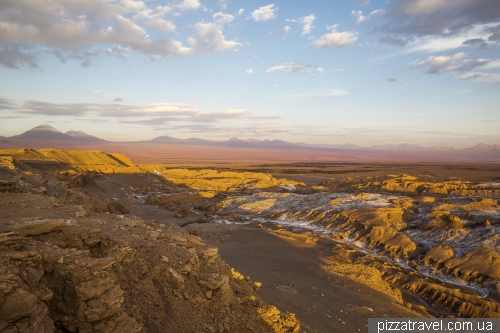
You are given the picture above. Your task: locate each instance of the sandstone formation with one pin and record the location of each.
(450, 238)
(432, 245)
(92, 271)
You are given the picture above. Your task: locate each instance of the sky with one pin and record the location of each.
(349, 71)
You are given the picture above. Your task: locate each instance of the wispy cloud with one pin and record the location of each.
(307, 23)
(211, 116)
(454, 63)
(359, 17)
(13, 117)
(481, 77)
(280, 31)
(6, 103)
(151, 114)
(290, 67)
(104, 109)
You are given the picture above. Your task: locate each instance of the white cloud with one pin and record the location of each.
(69, 29)
(307, 23)
(76, 26)
(223, 18)
(250, 71)
(359, 17)
(264, 13)
(290, 67)
(453, 63)
(440, 63)
(189, 4)
(241, 11)
(335, 39)
(209, 38)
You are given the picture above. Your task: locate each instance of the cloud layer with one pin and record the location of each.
(70, 29)
(412, 20)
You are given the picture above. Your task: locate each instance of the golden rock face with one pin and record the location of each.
(208, 181)
(404, 183)
(72, 159)
(213, 180)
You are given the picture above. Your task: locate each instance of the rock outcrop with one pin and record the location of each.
(99, 278)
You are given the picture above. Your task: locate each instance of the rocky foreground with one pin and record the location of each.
(70, 262)
(73, 258)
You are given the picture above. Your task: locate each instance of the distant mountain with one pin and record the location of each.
(262, 144)
(197, 140)
(404, 146)
(164, 138)
(77, 134)
(233, 142)
(485, 148)
(47, 132)
(44, 128)
(82, 136)
(46, 136)
(441, 148)
(350, 146)
(42, 132)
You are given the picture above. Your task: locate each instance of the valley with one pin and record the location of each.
(329, 248)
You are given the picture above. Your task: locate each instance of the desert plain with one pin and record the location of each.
(97, 242)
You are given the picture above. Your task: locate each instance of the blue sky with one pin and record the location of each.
(357, 71)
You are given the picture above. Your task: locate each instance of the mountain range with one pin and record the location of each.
(45, 136)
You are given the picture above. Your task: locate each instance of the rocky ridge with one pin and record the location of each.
(427, 239)
(72, 263)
